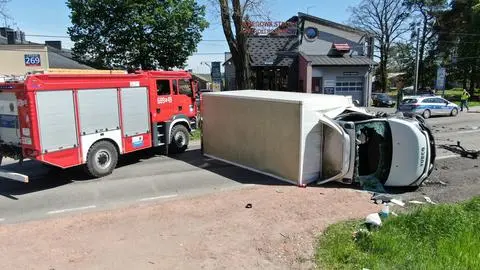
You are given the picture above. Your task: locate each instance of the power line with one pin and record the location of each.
(54, 36)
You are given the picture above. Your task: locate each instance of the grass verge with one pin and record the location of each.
(195, 136)
(430, 237)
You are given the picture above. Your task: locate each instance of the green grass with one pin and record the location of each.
(195, 135)
(470, 103)
(430, 237)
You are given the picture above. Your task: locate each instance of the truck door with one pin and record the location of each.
(183, 98)
(163, 106)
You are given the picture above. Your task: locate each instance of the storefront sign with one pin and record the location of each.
(216, 73)
(350, 73)
(441, 76)
(259, 28)
(32, 60)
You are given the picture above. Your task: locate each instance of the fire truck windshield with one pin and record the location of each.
(185, 87)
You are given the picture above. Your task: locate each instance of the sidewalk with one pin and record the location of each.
(475, 109)
(210, 232)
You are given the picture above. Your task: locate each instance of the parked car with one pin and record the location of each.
(382, 100)
(427, 106)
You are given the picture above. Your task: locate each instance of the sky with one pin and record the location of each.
(51, 18)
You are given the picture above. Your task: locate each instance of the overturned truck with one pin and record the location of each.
(302, 138)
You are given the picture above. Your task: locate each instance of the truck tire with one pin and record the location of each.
(179, 139)
(102, 159)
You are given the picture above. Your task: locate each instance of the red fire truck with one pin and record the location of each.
(67, 120)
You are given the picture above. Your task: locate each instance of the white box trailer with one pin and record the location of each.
(302, 138)
(274, 133)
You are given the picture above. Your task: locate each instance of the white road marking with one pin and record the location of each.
(446, 157)
(456, 132)
(71, 209)
(158, 197)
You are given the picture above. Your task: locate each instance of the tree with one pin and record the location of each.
(427, 11)
(385, 19)
(402, 60)
(146, 34)
(3, 13)
(459, 29)
(236, 36)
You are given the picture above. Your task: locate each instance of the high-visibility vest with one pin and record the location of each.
(465, 96)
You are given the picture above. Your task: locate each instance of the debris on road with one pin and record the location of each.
(373, 219)
(458, 149)
(386, 198)
(416, 202)
(249, 205)
(397, 202)
(429, 200)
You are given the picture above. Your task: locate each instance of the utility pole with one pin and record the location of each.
(417, 57)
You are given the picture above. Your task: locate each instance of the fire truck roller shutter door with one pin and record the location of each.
(99, 118)
(135, 118)
(56, 118)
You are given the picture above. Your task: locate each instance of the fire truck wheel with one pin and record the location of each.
(179, 139)
(101, 159)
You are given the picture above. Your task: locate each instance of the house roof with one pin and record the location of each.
(330, 23)
(325, 60)
(268, 51)
(56, 60)
(203, 77)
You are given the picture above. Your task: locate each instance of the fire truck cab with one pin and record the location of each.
(67, 120)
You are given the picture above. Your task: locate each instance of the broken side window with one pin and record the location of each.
(374, 149)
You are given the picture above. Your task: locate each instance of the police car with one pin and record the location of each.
(427, 106)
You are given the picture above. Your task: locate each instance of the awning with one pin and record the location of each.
(325, 60)
(341, 47)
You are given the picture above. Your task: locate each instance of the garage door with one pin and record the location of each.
(350, 86)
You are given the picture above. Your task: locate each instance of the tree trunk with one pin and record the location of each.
(383, 68)
(471, 89)
(421, 66)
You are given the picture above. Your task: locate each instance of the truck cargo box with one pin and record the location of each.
(279, 134)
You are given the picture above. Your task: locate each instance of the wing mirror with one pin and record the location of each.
(356, 103)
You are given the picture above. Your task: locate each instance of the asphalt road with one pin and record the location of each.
(146, 177)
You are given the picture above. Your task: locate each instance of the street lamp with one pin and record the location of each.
(309, 8)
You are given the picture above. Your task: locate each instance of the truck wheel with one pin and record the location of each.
(179, 139)
(101, 159)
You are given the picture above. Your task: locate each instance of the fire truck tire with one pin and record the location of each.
(101, 159)
(179, 139)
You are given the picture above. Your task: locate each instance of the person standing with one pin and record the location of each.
(464, 100)
(399, 97)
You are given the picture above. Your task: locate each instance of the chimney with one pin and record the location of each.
(22, 37)
(54, 43)
(10, 37)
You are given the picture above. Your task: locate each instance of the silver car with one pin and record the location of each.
(427, 106)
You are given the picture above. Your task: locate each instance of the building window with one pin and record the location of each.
(311, 33)
(185, 87)
(163, 87)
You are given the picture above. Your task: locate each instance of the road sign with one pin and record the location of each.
(441, 76)
(216, 74)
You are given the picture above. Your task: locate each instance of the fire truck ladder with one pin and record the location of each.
(161, 135)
